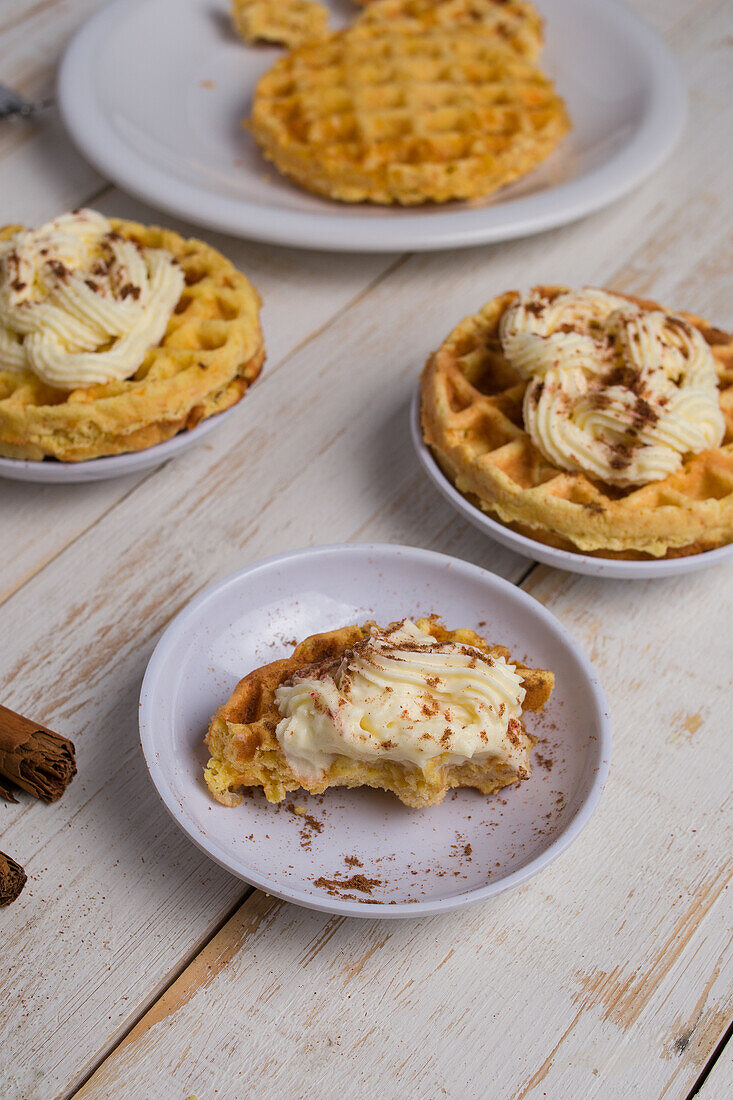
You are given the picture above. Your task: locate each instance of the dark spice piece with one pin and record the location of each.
(625, 376)
(60, 270)
(620, 456)
(12, 879)
(34, 758)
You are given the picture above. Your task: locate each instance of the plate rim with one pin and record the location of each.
(600, 749)
(570, 562)
(639, 157)
(89, 470)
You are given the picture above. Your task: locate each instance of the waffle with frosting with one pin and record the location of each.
(588, 420)
(413, 708)
(284, 22)
(380, 114)
(514, 23)
(115, 336)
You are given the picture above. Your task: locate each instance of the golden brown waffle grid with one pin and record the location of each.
(428, 115)
(514, 23)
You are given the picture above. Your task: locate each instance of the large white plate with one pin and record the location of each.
(154, 91)
(101, 469)
(539, 551)
(463, 851)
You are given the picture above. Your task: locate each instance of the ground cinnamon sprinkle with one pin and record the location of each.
(310, 824)
(336, 886)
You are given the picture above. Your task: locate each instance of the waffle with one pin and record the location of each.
(515, 23)
(429, 115)
(286, 22)
(472, 420)
(211, 352)
(245, 752)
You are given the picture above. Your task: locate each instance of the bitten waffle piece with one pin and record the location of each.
(476, 404)
(210, 353)
(425, 116)
(513, 23)
(415, 709)
(285, 22)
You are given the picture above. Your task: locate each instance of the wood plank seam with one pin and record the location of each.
(725, 1043)
(157, 995)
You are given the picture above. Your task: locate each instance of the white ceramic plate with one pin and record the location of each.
(549, 555)
(100, 469)
(463, 851)
(154, 91)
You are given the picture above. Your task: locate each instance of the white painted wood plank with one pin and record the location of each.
(718, 1085)
(40, 171)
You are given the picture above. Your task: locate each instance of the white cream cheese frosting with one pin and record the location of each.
(80, 304)
(616, 391)
(403, 696)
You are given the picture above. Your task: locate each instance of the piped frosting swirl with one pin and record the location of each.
(616, 391)
(403, 696)
(79, 303)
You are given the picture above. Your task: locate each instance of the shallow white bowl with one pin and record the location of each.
(154, 91)
(467, 849)
(539, 551)
(49, 471)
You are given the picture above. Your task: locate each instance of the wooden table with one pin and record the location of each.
(135, 967)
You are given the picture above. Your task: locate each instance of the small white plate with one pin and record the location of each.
(49, 471)
(465, 850)
(154, 92)
(539, 551)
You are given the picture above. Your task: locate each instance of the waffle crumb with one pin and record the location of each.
(286, 23)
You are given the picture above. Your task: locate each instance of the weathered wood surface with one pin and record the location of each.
(719, 1082)
(610, 974)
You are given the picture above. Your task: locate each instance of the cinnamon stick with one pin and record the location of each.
(34, 758)
(12, 879)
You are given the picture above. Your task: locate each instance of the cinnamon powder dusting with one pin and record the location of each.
(337, 886)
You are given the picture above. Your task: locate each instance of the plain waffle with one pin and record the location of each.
(430, 115)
